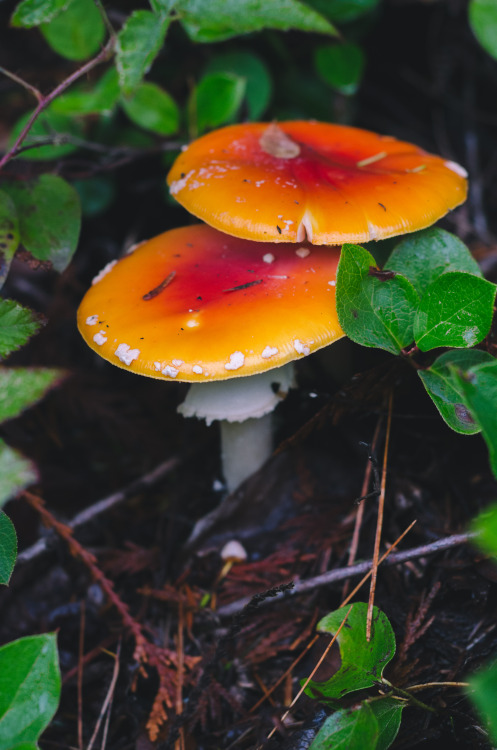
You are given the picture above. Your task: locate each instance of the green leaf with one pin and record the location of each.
(348, 729)
(50, 125)
(215, 20)
(153, 109)
(215, 100)
(29, 688)
(9, 234)
(479, 389)
(138, 43)
(483, 21)
(482, 691)
(8, 548)
(21, 387)
(17, 325)
(49, 218)
(33, 12)
(388, 714)
(341, 66)
(443, 389)
(163, 6)
(455, 310)
(343, 11)
(100, 99)
(362, 661)
(78, 32)
(485, 526)
(424, 256)
(96, 195)
(249, 66)
(16, 473)
(374, 311)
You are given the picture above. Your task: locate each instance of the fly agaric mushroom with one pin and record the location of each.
(199, 306)
(326, 183)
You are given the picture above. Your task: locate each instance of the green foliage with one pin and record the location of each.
(8, 548)
(485, 526)
(9, 234)
(445, 390)
(153, 109)
(16, 473)
(34, 12)
(482, 691)
(388, 714)
(100, 98)
(17, 325)
(95, 194)
(49, 217)
(21, 387)
(29, 689)
(77, 32)
(216, 20)
(374, 310)
(341, 66)
(344, 11)
(363, 661)
(348, 729)
(251, 68)
(424, 256)
(479, 390)
(215, 100)
(138, 43)
(455, 310)
(483, 21)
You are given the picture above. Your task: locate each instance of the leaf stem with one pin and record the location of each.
(32, 89)
(407, 694)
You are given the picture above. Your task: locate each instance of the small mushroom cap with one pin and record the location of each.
(196, 305)
(328, 183)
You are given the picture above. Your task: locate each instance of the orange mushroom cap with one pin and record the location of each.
(328, 183)
(198, 305)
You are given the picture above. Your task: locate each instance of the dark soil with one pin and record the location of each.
(429, 82)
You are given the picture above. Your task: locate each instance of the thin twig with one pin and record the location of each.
(108, 697)
(32, 89)
(340, 574)
(102, 56)
(102, 506)
(307, 681)
(80, 674)
(360, 510)
(379, 522)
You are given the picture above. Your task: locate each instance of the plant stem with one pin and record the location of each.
(407, 694)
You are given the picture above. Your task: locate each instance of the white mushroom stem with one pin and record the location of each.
(244, 407)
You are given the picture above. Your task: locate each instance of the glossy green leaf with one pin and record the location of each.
(479, 390)
(258, 81)
(424, 256)
(343, 11)
(215, 20)
(444, 391)
(16, 473)
(138, 44)
(153, 109)
(348, 729)
(9, 234)
(78, 32)
(29, 688)
(34, 12)
(163, 6)
(455, 310)
(483, 21)
(215, 100)
(363, 661)
(485, 526)
(8, 548)
(17, 325)
(49, 126)
(388, 714)
(374, 310)
(482, 691)
(49, 218)
(100, 98)
(21, 387)
(341, 66)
